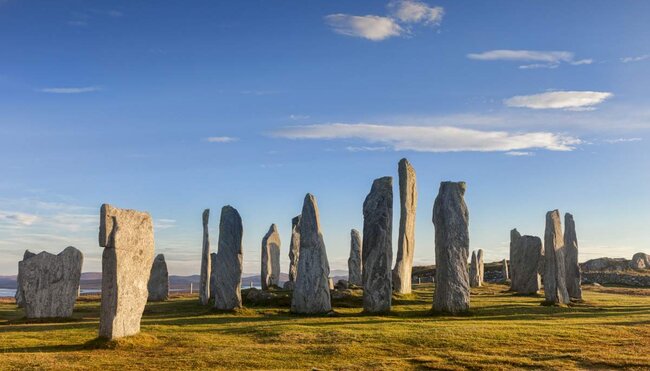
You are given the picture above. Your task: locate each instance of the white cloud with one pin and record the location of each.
(221, 139)
(622, 140)
(433, 138)
(519, 153)
(412, 11)
(635, 59)
(567, 100)
(80, 90)
(544, 59)
(369, 27)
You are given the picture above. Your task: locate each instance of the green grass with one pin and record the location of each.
(611, 329)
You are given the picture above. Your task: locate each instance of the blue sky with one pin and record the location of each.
(172, 107)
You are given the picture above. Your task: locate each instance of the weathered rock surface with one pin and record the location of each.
(504, 270)
(311, 293)
(204, 284)
(451, 221)
(572, 267)
(605, 264)
(481, 266)
(639, 261)
(408, 199)
(288, 285)
(128, 241)
(271, 258)
(514, 240)
(19, 292)
(555, 289)
(227, 295)
(355, 269)
(377, 250)
(294, 249)
(158, 285)
(50, 283)
(213, 274)
(527, 253)
(474, 273)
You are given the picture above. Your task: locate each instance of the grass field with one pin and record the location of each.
(610, 330)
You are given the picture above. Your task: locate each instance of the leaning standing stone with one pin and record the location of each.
(354, 261)
(271, 258)
(19, 293)
(311, 294)
(204, 284)
(158, 280)
(294, 250)
(555, 266)
(527, 256)
(227, 295)
(451, 221)
(50, 283)
(377, 246)
(127, 238)
(408, 198)
(573, 275)
(474, 274)
(481, 266)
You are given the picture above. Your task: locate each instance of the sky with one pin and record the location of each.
(172, 107)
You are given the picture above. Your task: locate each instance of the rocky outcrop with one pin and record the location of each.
(311, 293)
(294, 249)
(355, 269)
(227, 295)
(474, 274)
(571, 258)
(605, 265)
(377, 250)
(639, 261)
(128, 241)
(204, 284)
(271, 258)
(19, 292)
(50, 283)
(527, 255)
(451, 221)
(555, 289)
(408, 196)
(158, 285)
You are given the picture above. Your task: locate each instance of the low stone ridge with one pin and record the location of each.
(158, 285)
(527, 256)
(474, 272)
(408, 196)
(355, 269)
(50, 283)
(271, 258)
(19, 292)
(213, 274)
(451, 221)
(555, 289)
(204, 283)
(227, 295)
(311, 294)
(294, 249)
(128, 241)
(571, 255)
(640, 261)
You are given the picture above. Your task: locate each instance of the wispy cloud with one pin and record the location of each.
(433, 139)
(70, 90)
(13, 218)
(298, 117)
(542, 59)
(366, 149)
(519, 153)
(622, 140)
(221, 139)
(164, 223)
(567, 100)
(635, 59)
(410, 11)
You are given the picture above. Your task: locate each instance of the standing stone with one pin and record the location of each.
(451, 221)
(294, 250)
(377, 250)
(271, 258)
(514, 240)
(355, 269)
(229, 261)
(408, 199)
(527, 255)
(311, 294)
(330, 283)
(204, 284)
(474, 272)
(504, 270)
(555, 267)
(158, 285)
(213, 274)
(481, 266)
(127, 238)
(573, 275)
(19, 293)
(50, 283)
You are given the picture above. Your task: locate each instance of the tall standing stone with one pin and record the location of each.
(213, 274)
(377, 250)
(227, 295)
(504, 270)
(19, 293)
(481, 266)
(158, 285)
(271, 258)
(474, 274)
(355, 269)
(204, 284)
(294, 249)
(408, 199)
(527, 256)
(555, 288)
(451, 221)
(127, 238)
(514, 240)
(311, 294)
(573, 275)
(50, 283)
